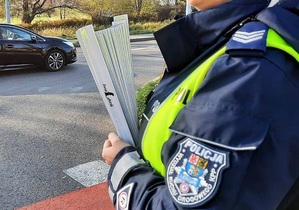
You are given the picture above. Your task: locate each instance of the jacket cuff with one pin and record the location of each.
(124, 161)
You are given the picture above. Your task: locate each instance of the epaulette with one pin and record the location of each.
(249, 40)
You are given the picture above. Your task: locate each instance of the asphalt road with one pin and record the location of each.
(52, 121)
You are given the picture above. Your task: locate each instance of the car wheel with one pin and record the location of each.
(55, 60)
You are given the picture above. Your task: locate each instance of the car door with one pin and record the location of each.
(18, 47)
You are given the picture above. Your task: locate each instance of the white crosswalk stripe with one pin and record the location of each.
(89, 174)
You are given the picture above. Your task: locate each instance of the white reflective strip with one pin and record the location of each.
(146, 117)
(128, 161)
(111, 194)
(216, 144)
(273, 2)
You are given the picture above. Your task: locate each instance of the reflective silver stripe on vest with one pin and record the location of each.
(127, 162)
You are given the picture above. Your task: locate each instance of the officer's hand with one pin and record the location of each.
(112, 146)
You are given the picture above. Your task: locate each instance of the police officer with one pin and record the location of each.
(220, 131)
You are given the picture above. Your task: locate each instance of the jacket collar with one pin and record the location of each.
(185, 39)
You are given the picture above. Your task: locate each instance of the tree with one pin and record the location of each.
(2, 9)
(63, 5)
(96, 8)
(102, 11)
(138, 6)
(119, 7)
(31, 8)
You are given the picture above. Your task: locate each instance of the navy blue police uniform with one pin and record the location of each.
(235, 144)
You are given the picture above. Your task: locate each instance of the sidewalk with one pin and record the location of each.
(133, 38)
(141, 37)
(90, 198)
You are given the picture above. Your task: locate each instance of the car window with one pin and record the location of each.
(2, 33)
(14, 34)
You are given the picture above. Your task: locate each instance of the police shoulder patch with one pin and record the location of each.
(123, 197)
(194, 173)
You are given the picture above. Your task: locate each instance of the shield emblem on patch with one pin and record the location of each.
(196, 165)
(194, 173)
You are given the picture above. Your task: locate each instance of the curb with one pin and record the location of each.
(133, 38)
(91, 198)
(142, 39)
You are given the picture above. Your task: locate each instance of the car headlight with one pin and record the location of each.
(68, 43)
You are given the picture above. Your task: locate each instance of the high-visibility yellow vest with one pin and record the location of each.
(157, 131)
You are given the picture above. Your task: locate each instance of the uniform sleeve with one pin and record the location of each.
(133, 184)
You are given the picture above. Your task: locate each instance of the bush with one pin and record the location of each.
(65, 23)
(142, 96)
(167, 12)
(147, 27)
(63, 32)
(67, 28)
(103, 20)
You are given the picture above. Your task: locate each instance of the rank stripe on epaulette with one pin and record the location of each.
(251, 37)
(247, 37)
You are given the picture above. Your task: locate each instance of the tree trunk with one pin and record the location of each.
(60, 13)
(138, 7)
(27, 17)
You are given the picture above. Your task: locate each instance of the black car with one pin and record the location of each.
(20, 47)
